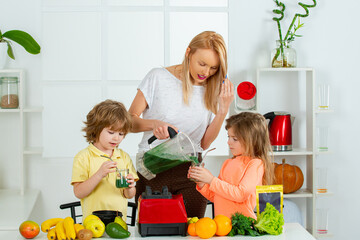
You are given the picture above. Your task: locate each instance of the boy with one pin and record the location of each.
(94, 174)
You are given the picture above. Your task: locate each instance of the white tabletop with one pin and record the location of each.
(15, 207)
(292, 231)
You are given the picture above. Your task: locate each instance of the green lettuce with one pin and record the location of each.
(270, 221)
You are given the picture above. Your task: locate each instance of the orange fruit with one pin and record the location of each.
(191, 229)
(205, 227)
(223, 225)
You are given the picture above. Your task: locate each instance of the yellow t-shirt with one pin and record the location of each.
(105, 196)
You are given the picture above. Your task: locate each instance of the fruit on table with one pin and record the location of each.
(191, 230)
(46, 225)
(115, 230)
(51, 235)
(205, 227)
(90, 217)
(96, 226)
(223, 225)
(78, 227)
(122, 223)
(84, 234)
(29, 229)
(290, 176)
(69, 228)
(60, 231)
(192, 220)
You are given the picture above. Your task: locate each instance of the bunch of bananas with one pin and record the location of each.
(61, 229)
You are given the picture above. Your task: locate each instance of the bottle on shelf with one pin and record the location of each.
(9, 92)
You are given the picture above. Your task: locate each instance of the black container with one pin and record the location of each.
(107, 216)
(158, 229)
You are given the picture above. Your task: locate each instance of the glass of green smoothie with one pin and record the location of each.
(121, 181)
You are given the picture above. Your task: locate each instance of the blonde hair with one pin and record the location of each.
(252, 131)
(109, 113)
(206, 40)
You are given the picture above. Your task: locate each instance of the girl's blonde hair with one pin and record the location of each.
(206, 40)
(251, 129)
(109, 113)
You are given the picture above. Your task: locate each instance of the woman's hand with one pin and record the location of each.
(106, 168)
(200, 174)
(226, 96)
(160, 129)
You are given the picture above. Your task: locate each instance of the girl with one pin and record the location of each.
(235, 188)
(94, 175)
(193, 97)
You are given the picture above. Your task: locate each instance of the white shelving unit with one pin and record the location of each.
(293, 90)
(17, 204)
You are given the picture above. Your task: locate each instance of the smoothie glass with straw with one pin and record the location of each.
(121, 180)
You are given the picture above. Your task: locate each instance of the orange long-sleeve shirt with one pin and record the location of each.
(235, 188)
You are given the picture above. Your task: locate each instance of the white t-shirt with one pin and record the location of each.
(163, 94)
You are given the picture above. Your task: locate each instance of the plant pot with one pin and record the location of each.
(283, 55)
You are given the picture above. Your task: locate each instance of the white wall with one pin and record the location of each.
(329, 45)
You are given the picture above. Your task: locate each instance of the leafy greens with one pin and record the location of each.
(270, 221)
(242, 225)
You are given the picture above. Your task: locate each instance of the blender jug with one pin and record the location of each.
(175, 151)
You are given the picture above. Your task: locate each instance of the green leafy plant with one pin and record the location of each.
(22, 38)
(242, 225)
(291, 32)
(270, 221)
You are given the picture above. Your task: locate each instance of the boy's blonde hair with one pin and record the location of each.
(206, 40)
(251, 129)
(108, 113)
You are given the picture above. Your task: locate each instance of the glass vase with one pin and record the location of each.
(283, 55)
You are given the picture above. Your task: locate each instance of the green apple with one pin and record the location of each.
(96, 226)
(122, 223)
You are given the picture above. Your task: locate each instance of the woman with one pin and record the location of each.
(192, 97)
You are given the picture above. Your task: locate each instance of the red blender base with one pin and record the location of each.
(161, 213)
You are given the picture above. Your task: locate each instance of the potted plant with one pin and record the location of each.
(22, 38)
(284, 55)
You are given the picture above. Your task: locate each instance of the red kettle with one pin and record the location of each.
(280, 130)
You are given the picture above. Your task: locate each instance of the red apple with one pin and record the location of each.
(29, 229)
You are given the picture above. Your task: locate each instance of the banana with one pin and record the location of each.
(60, 231)
(78, 227)
(69, 228)
(46, 225)
(51, 235)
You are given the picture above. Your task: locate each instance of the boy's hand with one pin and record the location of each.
(131, 190)
(130, 179)
(106, 168)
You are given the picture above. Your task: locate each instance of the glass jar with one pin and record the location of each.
(121, 178)
(283, 55)
(9, 92)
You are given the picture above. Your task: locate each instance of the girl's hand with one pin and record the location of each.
(106, 168)
(226, 96)
(200, 174)
(160, 129)
(200, 184)
(130, 179)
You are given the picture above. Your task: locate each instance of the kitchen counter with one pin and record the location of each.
(15, 207)
(292, 231)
